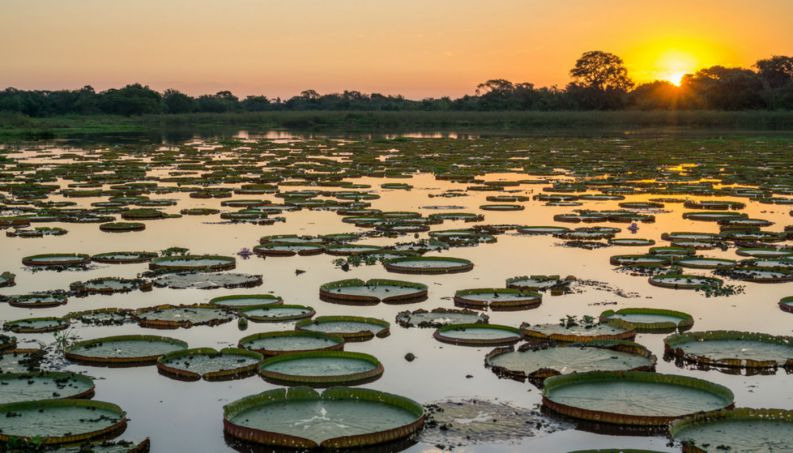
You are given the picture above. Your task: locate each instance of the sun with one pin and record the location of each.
(672, 65)
(675, 78)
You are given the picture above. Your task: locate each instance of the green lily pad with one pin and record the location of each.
(275, 343)
(209, 364)
(338, 418)
(321, 368)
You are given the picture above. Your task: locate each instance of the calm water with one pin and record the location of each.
(182, 416)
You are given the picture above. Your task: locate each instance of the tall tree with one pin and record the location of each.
(600, 81)
(776, 71)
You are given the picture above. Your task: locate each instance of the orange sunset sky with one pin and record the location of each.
(418, 48)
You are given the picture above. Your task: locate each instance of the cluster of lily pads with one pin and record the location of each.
(123, 191)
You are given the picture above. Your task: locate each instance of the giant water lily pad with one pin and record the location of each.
(632, 397)
(535, 282)
(576, 333)
(241, 301)
(338, 418)
(705, 263)
(357, 291)
(321, 368)
(275, 343)
(648, 319)
(209, 364)
(123, 350)
(7, 279)
(786, 304)
(36, 325)
(103, 316)
(193, 263)
(351, 328)
(37, 300)
(57, 260)
(123, 257)
(730, 349)
(288, 249)
(207, 280)
(186, 316)
(477, 334)
(428, 265)
(122, 227)
(681, 281)
(438, 317)
(109, 285)
(542, 230)
(60, 421)
(742, 429)
(277, 313)
(538, 362)
(44, 385)
(497, 299)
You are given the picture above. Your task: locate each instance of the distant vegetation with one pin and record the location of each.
(599, 81)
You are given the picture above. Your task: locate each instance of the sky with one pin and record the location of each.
(418, 48)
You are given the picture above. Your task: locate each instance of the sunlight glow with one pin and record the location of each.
(673, 65)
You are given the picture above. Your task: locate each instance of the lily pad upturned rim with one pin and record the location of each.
(361, 377)
(268, 249)
(12, 326)
(539, 375)
(310, 312)
(337, 341)
(307, 394)
(507, 340)
(326, 291)
(716, 263)
(220, 375)
(67, 402)
(122, 227)
(463, 265)
(57, 375)
(502, 207)
(538, 229)
(631, 242)
(19, 300)
(655, 280)
(686, 320)
(633, 260)
(275, 300)
(531, 334)
(363, 335)
(531, 300)
(556, 382)
(786, 304)
(80, 259)
(137, 257)
(227, 263)
(138, 360)
(736, 414)
(403, 318)
(175, 324)
(673, 342)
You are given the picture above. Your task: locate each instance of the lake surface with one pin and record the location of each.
(187, 416)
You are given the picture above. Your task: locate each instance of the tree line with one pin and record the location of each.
(599, 81)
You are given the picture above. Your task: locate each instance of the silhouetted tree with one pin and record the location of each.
(178, 102)
(134, 99)
(600, 81)
(256, 104)
(723, 88)
(776, 71)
